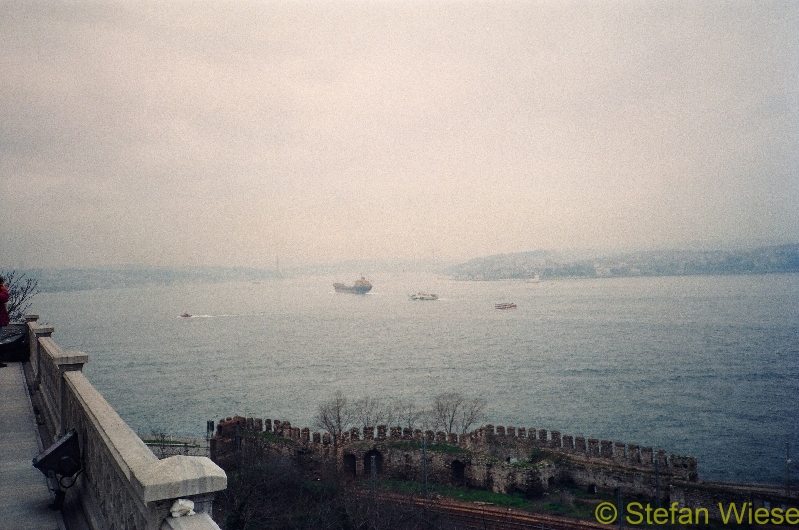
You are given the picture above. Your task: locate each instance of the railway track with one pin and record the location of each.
(468, 516)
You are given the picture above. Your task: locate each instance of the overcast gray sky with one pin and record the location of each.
(226, 133)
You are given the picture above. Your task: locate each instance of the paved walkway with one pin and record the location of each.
(24, 495)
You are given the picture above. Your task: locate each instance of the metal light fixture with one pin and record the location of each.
(61, 461)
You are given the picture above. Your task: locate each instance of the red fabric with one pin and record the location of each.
(3, 310)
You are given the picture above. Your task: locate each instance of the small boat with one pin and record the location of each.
(424, 296)
(505, 305)
(185, 315)
(361, 286)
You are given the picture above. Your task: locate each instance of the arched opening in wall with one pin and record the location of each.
(367, 462)
(457, 473)
(350, 465)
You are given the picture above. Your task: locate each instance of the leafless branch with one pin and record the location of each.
(20, 292)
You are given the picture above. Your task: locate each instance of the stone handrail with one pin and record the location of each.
(123, 484)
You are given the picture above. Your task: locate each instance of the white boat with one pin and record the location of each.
(424, 296)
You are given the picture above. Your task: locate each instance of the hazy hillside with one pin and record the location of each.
(549, 265)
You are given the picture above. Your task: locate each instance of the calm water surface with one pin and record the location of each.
(705, 366)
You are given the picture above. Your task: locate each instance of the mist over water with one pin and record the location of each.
(705, 366)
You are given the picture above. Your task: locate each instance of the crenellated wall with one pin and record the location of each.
(123, 484)
(500, 459)
(503, 459)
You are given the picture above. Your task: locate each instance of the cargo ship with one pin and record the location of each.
(361, 286)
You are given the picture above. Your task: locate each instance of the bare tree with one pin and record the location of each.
(471, 412)
(335, 415)
(454, 412)
(20, 292)
(370, 412)
(408, 414)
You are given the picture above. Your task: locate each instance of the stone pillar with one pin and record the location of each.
(381, 433)
(369, 433)
(316, 437)
(305, 435)
(619, 452)
(661, 458)
(606, 449)
(646, 456)
(511, 432)
(36, 332)
(407, 434)
(579, 445)
(593, 447)
(568, 443)
(555, 441)
(634, 454)
(522, 433)
(452, 438)
(542, 436)
(441, 437)
(267, 425)
(500, 431)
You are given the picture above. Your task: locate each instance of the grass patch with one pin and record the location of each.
(436, 448)
(516, 500)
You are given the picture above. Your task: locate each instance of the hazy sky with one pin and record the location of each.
(227, 133)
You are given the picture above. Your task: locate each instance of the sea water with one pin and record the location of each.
(706, 366)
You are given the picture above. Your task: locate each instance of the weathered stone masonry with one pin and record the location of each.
(123, 485)
(500, 459)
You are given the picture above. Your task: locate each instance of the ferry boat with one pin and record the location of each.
(424, 296)
(505, 305)
(362, 286)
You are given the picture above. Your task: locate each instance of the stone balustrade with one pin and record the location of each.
(123, 484)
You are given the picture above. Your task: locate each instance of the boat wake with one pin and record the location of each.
(187, 315)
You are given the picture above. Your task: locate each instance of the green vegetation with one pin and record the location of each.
(270, 437)
(564, 502)
(436, 448)
(516, 500)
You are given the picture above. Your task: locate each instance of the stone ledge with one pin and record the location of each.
(180, 476)
(152, 479)
(124, 445)
(59, 356)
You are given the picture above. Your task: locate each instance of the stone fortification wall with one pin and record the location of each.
(502, 459)
(122, 484)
